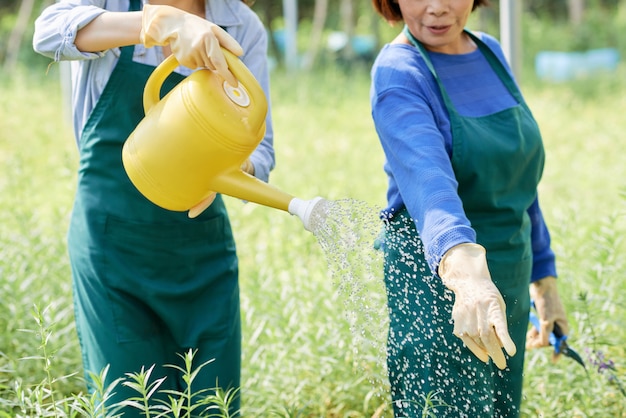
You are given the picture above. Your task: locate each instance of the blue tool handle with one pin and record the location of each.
(556, 337)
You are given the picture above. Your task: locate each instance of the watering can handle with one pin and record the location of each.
(152, 91)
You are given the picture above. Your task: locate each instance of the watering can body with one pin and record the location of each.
(193, 141)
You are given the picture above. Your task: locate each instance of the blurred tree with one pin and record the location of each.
(17, 35)
(573, 10)
(347, 13)
(317, 29)
(576, 10)
(16, 18)
(553, 9)
(319, 18)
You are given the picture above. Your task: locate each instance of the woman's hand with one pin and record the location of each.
(194, 41)
(550, 311)
(479, 312)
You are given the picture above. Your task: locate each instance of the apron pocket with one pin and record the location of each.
(179, 278)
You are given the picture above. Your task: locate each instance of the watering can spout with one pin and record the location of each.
(311, 212)
(246, 187)
(243, 186)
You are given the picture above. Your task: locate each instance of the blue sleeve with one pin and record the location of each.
(416, 155)
(544, 263)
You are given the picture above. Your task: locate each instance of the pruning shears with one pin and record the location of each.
(558, 340)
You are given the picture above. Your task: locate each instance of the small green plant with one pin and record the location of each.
(140, 383)
(598, 358)
(287, 412)
(41, 399)
(220, 403)
(44, 400)
(95, 404)
(206, 402)
(430, 405)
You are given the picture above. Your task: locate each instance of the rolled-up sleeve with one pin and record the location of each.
(56, 28)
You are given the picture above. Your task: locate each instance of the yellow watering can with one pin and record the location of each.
(193, 141)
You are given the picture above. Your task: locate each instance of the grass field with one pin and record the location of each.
(302, 354)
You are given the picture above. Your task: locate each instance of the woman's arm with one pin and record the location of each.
(57, 26)
(110, 30)
(416, 154)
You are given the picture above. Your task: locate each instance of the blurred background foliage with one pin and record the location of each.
(326, 26)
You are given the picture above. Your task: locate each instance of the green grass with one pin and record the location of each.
(302, 355)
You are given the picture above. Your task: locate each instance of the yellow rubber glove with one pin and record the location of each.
(194, 41)
(248, 167)
(202, 206)
(550, 311)
(479, 312)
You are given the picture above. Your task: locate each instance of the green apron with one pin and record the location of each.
(498, 160)
(148, 283)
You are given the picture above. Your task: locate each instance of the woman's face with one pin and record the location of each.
(439, 24)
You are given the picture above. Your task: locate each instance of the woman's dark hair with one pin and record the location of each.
(390, 10)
